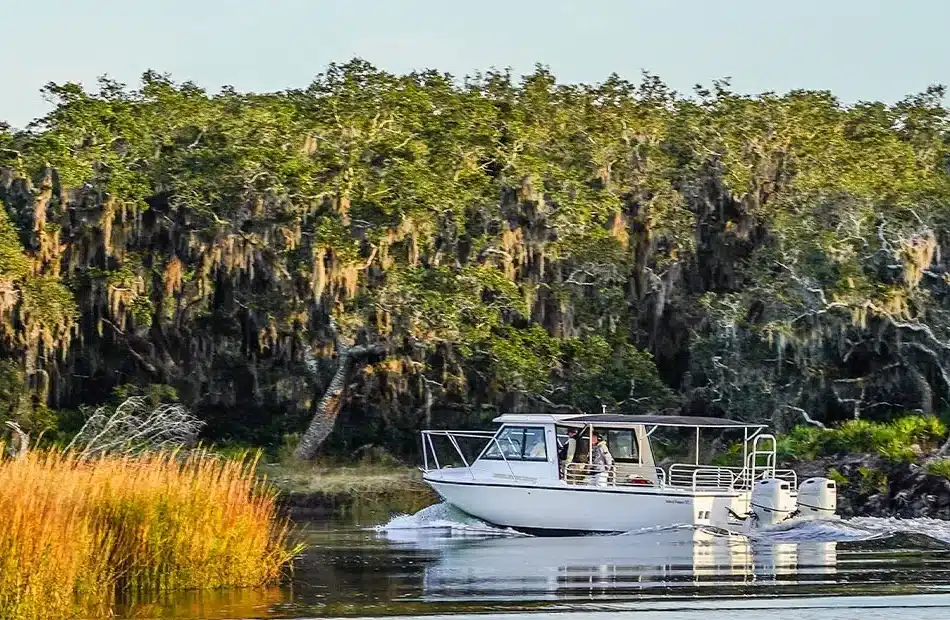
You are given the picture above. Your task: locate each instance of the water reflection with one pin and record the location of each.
(610, 566)
(209, 604)
(455, 567)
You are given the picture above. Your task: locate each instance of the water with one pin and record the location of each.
(439, 562)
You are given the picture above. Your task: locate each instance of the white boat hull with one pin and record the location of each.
(585, 508)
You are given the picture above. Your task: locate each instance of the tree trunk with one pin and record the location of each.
(329, 407)
(20, 444)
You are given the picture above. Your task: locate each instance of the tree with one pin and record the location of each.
(392, 251)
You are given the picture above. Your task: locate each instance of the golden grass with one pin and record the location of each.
(73, 534)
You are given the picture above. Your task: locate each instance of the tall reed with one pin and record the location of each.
(75, 533)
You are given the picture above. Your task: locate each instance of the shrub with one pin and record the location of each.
(871, 481)
(900, 440)
(76, 532)
(840, 479)
(939, 467)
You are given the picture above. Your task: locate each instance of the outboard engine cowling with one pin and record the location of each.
(771, 501)
(817, 498)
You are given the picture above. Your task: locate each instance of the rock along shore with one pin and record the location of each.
(871, 486)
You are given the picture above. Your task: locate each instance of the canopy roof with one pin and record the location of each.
(620, 421)
(615, 420)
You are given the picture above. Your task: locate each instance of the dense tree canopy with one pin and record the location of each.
(512, 244)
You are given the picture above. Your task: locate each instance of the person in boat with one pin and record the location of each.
(601, 461)
(567, 451)
(538, 449)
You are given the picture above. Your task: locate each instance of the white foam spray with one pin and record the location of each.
(446, 518)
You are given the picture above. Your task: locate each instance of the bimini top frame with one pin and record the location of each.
(625, 421)
(648, 422)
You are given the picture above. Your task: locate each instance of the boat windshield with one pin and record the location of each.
(518, 443)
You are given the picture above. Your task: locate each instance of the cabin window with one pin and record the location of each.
(622, 445)
(519, 443)
(535, 448)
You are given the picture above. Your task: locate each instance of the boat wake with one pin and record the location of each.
(443, 517)
(856, 529)
(447, 519)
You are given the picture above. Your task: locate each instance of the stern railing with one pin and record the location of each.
(701, 476)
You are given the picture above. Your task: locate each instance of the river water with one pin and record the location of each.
(440, 563)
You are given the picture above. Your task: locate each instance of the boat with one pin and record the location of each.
(512, 478)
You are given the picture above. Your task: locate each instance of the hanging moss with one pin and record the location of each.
(491, 235)
(172, 278)
(918, 254)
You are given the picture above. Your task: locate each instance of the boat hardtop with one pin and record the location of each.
(619, 420)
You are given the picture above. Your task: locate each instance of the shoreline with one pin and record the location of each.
(868, 486)
(872, 486)
(353, 492)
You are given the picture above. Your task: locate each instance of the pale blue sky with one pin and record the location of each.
(860, 49)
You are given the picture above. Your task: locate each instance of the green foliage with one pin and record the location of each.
(127, 275)
(14, 265)
(45, 301)
(156, 393)
(612, 243)
(522, 360)
(840, 479)
(16, 402)
(142, 310)
(940, 467)
(48, 303)
(462, 306)
(36, 313)
(900, 440)
(331, 233)
(618, 375)
(234, 450)
(871, 481)
(13, 393)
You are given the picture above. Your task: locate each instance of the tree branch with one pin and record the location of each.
(805, 416)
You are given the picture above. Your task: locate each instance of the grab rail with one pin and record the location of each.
(452, 435)
(746, 477)
(789, 475)
(701, 476)
(769, 454)
(618, 475)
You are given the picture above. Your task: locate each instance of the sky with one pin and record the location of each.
(859, 49)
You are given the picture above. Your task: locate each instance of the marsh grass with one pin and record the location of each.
(77, 533)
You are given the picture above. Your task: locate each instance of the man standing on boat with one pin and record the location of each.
(567, 451)
(601, 461)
